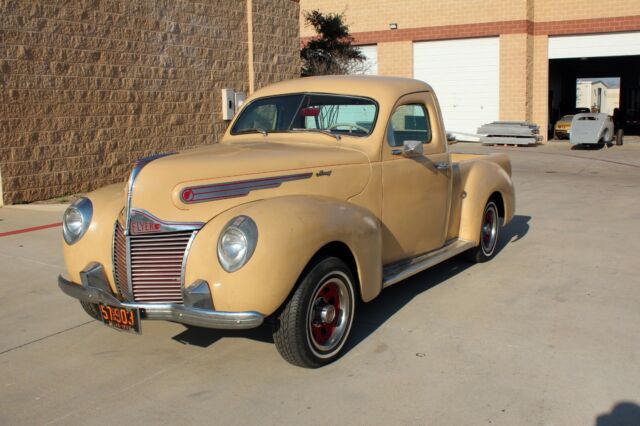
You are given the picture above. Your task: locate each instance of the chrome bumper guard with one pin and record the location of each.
(95, 289)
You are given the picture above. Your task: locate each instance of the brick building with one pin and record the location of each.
(88, 86)
(500, 59)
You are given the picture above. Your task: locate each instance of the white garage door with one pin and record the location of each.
(465, 75)
(592, 46)
(370, 66)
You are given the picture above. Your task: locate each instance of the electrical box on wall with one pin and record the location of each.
(228, 104)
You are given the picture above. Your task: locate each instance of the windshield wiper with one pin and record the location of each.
(324, 132)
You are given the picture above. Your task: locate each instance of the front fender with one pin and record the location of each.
(481, 180)
(96, 244)
(290, 231)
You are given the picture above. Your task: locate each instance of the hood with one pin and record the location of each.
(200, 183)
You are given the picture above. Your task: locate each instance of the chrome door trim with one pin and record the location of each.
(396, 272)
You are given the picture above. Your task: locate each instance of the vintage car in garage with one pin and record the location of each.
(562, 129)
(592, 129)
(322, 192)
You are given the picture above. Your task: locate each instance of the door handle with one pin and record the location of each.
(442, 166)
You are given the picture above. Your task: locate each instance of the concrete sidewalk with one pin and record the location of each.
(546, 333)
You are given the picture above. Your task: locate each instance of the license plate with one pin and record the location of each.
(120, 318)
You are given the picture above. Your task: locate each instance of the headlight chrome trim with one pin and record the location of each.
(246, 229)
(82, 209)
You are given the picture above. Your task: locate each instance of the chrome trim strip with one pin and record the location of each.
(137, 167)
(396, 272)
(113, 256)
(183, 268)
(129, 283)
(95, 289)
(144, 217)
(219, 191)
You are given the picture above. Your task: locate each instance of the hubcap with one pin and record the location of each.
(329, 314)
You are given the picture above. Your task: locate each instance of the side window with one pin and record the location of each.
(264, 117)
(409, 122)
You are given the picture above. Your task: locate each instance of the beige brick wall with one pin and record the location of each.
(554, 10)
(88, 87)
(395, 59)
(540, 83)
(375, 15)
(523, 26)
(514, 51)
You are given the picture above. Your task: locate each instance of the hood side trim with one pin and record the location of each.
(219, 191)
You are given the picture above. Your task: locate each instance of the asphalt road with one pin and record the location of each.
(547, 333)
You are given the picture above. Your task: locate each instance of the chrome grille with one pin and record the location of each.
(155, 262)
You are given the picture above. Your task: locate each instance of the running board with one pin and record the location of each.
(399, 271)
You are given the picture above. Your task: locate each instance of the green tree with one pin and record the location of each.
(331, 51)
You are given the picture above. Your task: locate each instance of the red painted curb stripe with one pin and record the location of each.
(35, 228)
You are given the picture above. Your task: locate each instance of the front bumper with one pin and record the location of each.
(96, 289)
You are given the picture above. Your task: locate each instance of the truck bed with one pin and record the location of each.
(501, 159)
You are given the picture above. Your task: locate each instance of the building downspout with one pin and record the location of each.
(250, 45)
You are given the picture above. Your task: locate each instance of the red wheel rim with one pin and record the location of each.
(326, 302)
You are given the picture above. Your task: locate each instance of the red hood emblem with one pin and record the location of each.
(144, 227)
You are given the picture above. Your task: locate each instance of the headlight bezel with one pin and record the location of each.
(244, 229)
(83, 208)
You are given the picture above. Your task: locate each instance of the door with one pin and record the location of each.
(594, 45)
(466, 76)
(415, 189)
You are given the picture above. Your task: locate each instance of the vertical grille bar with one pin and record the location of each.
(120, 270)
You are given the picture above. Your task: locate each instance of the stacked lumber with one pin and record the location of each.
(509, 133)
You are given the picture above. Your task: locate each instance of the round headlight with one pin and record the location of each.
(76, 220)
(237, 243)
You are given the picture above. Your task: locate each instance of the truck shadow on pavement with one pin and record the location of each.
(623, 414)
(370, 316)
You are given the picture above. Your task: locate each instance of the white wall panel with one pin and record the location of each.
(371, 64)
(594, 45)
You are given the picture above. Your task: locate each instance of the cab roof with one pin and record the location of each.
(380, 88)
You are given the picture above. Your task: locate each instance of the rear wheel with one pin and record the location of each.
(315, 323)
(489, 234)
(619, 136)
(91, 309)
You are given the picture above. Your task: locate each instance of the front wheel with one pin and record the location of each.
(489, 234)
(315, 323)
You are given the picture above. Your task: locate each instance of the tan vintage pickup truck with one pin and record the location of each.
(322, 192)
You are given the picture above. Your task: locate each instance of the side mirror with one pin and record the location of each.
(412, 148)
(451, 139)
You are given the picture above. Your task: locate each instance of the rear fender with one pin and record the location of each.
(483, 178)
(291, 230)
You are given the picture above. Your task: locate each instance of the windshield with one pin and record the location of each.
(342, 115)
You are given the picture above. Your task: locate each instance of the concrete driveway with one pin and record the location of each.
(547, 333)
